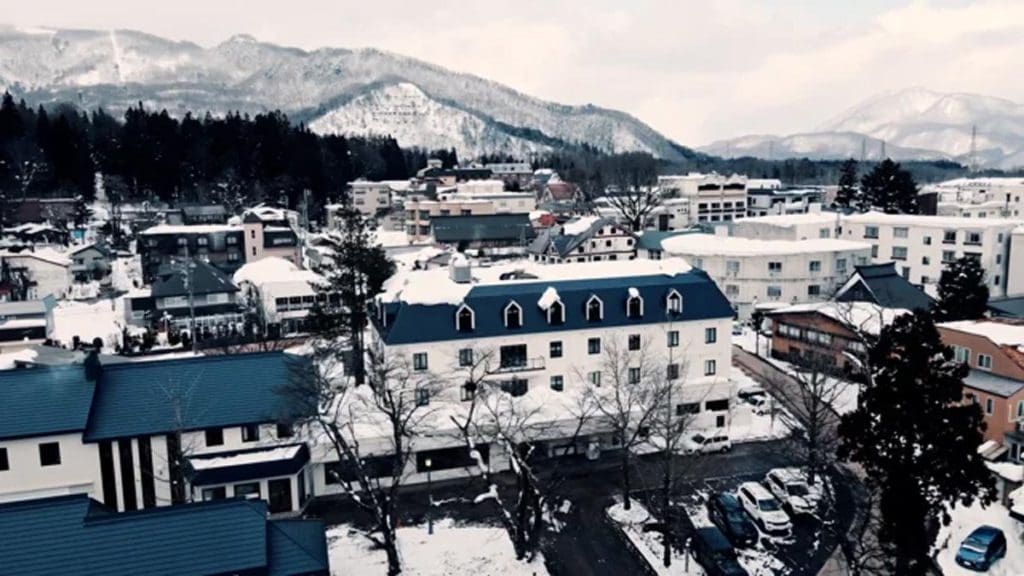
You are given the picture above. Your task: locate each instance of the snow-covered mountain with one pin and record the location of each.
(914, 123)
(333, 89)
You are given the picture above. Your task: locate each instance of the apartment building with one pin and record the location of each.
(921, 246)
(762, 202)
(713, 197)
(990, 197)
(751, 272)
(814, 224)
(370, 197)
(222, 245)
(281, 292)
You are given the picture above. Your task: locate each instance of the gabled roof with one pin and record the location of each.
(43, 402)
(866, 317)
(97, 247)
(190, 394)
(569, 236)
(883, 285)
(74, 534)
(205, 277)
(993, 383)
(490, 227)
(561, 190)
(1011, 307)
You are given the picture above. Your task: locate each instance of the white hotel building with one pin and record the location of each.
(752, 272)
(921, 246)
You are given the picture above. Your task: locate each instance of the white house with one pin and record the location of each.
(713, 197)
(370, 197)
(921, 246)
(989, 197)
(281, 293)
(44, 271)
(814, 224)
(750, 272)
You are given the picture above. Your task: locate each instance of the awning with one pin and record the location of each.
(240, 465)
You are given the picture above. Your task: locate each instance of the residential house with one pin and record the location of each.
(560, 197)
(281, 293)
(77, 534)
(881, 284)
(34, 234)
(26, 323)
(584, 239)
(222, 245)
(90, 262)
(34, 274)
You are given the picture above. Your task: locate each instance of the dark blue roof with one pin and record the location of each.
(483, 227)
(147, 397)
(250, 471)
(75, 535)
(43, 401)
(410, 323)
(883, 285)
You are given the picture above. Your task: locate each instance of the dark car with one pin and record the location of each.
(727, 513)
(981, 548)
(714, 553)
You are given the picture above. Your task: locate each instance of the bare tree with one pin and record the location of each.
(634, 204)
(391, 411)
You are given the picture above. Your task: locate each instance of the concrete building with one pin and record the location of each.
(516, 175)
(987, 197)
(1015, 263)
(713, 197)
(418, 213)
(921, 246)
(222, 245)
(762, 202)
(750, 272)
(369, 197)
(814, 224)
(281, 293)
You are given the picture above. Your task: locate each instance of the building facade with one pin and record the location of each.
(713, 197)
(584, 239)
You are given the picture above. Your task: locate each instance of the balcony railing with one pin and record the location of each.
(521, 365)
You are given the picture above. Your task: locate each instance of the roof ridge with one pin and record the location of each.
(175, 510)
(275, 524)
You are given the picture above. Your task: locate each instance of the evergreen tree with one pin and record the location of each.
(890, 188)
(963, 294)
(849, 194)
(916, 438)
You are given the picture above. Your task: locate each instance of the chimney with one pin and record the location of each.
(93, 368)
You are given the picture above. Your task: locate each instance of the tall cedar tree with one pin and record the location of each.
(355, 270)
(849, 195)
(963, 294)
(916, 438)
(890, 188)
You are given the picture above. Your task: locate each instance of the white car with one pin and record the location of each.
(765, 510)
(706, 442)
(756, 397)
(790, 487)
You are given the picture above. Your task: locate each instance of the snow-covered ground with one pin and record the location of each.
(748, 426)
(758, 561)
(103, 319)
(126, 273)
(452, 550)
(649, 543)
(965, 520)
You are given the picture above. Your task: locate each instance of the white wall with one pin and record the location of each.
(78, 471)
(1015, 269)
(50, 278)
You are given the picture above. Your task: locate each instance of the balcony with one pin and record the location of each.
(512, 365)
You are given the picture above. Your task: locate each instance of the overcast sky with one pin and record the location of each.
(695, 70)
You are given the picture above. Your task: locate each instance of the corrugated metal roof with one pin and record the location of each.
(43, 401)
(490, 227)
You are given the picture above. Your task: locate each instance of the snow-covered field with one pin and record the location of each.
(965, 520)
(103, 319)
(452, 550)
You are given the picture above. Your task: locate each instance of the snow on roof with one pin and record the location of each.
(987, 446)
(538, 214)
(1007, 470)
(867, 317)
(713, 245)
(924, 220)
(254, 457)
(1017, 501)
(45, 254)
(394, 238)
(579, 225)
(999, 333)
(189, 229)
(790, 220)
(429, 287)
(264, 270)
(548, 298)
(633, 292)
(8, 360)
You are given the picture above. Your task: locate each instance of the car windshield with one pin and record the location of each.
(797, 489)
(768, 505)
(698, 438)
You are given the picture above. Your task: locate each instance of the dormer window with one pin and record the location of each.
(634, 304)
(595, 309)
(513, 315)
(465, 319)
(556, 313)
(674, 303)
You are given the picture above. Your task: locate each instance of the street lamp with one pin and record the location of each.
(430, 499)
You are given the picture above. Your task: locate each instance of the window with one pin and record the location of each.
(465, 319)
(925, 261)
(285, 430)
(249, 490)
(634, 341)
(949, 236)
(594, 378)
(871, 231)
(214, 436)
(709, 367)
(634, 375)
(419, 361)
(672, 372)
(732, 267)
(250, 433)
(595, 309)
(984, 361)
(516, 386)
(467, 391)
(989, 406)
(673, 338)
(512, 356)
(593, 346)
(555, 349)
(813, 290)
(732, 290)
(899, 252)
(874, 250)
(5, 464)
(717, 405)
(556, 313)
(948, 256)
(840, 264)
(774, 267)
(635, 307)
(814, 266)
(513, 315)
(466, 357)
(674, 303)
(774, 292)
(422, 396)
(232, 240)
(49, 454)
(218, 493)
(687, 408)
(823, 233)
(710, 335)
(900, 232)
(962, 355)
(973, 238)
(557, 383)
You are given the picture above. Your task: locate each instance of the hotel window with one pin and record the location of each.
(594, 346)
(814, 266)
(871, 231)
(984, 361)
(925, 261)
(634, 341)
(732, 267)
(595, 309)
(594, 378)
(813, 290)
(214, 436)
(899, 232)
(466, 357)
(989, 406)
(422, 396)
(899, 252)
(419, 361)
(710, 335)
(557, 383)
(634, 375)
(874, 250)
(672, 372)
(675, 303)
(949, 237)
(973, 238)
(249, 490)
(774, 267)
(673, 338)
(948, 256)
(218, 493)
(732, 290)
(49, 454)
(513, 316)
(774, 292)
(555, 349)
(251, 433)
(709, 367)
(5, 464)
(927, 240)
(468, 391)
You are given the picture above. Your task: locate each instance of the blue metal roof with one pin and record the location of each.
(43, 401)
(250, 471)
(412, 323)
(190, 394)
(74, 534)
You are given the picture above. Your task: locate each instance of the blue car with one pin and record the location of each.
(981, 548)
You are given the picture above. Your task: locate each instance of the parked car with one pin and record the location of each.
(981, 548)
(727, 513)
(705, 442)
(737, 329)
(756, 396)
(790, 487)
(764, 508)
(714, 553)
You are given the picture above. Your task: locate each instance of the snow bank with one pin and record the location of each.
(102, 319)
(965, 520)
